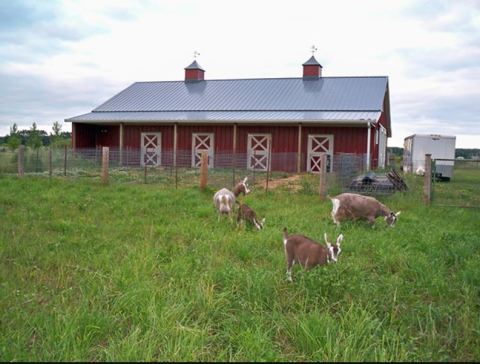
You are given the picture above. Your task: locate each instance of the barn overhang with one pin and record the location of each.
(358, 118)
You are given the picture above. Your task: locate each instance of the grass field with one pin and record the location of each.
(137, 272)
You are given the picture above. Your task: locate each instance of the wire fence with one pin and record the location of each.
(181, 169)
(456, 183)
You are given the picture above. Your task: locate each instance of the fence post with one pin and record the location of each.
(427, 179)
(204, 170)
(145, 173)
(21, 160)
(120, 145)
(299, 148)
(234, 161)
(65, 160)
(268, 173)
(36, 160)
(105, 159)
(323, 176)
(50, 163)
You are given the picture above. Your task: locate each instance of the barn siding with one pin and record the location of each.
(223, 135)
(108, 136)
(284, 138)
(132, 135)
(345, 139)
(284, 141)
(85, 135)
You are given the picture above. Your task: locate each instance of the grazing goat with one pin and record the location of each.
(353, 206)
(224, 199)
(246, 213)
(307, 252)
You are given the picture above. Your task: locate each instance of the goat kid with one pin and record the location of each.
(246, 213)
(352, 206)
(224, 199)
(307, 252)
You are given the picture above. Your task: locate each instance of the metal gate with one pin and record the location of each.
(151, 149)
(202, 142)
(258, 151)
(317, 145)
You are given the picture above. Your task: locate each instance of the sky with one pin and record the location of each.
(60, 59)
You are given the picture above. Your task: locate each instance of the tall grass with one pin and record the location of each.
(123, 273)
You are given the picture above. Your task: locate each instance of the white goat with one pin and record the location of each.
(353, 206)
(224, 199)
(307, 252)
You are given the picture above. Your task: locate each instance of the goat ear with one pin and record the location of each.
(326, 239)
(398, 213)
(245, 179)
(263, 221)
(339, 239)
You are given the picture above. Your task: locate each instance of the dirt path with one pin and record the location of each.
(292, 181)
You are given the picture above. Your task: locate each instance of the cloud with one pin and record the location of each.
(59, 59)
(25, 99)
(22, 14)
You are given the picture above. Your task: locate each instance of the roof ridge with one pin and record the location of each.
(254, 110)
(262, 78)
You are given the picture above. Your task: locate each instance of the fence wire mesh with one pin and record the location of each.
(456, 183)
(181, 169)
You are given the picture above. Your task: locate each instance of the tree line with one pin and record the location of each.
(36, 138)
(467, 153)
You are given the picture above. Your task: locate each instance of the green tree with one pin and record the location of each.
(34, 140)
(13, 140)
(56, 135)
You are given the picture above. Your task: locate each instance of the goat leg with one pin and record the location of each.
(290, 264)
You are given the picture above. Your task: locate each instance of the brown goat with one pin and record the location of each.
(307, 252)
(246, 213)
(352, 206)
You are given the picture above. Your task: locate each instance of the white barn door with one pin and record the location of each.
(151, 152)
(258, 151)
(318, 144)
(382, 147)
(202, 142)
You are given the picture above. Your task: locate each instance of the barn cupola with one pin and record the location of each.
(194, 72)
(311, 68)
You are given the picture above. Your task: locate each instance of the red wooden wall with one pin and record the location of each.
(284, 139)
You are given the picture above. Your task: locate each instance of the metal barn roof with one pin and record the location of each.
(272, 99)
(312, 62)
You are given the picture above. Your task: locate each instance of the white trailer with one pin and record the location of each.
(439, 146)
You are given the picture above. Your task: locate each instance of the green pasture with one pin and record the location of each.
(143, 272)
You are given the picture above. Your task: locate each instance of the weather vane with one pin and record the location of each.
(195, 54)
(314, 49)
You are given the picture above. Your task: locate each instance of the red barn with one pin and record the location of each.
(281, 123)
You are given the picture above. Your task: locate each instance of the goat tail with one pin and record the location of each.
(285, 233)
